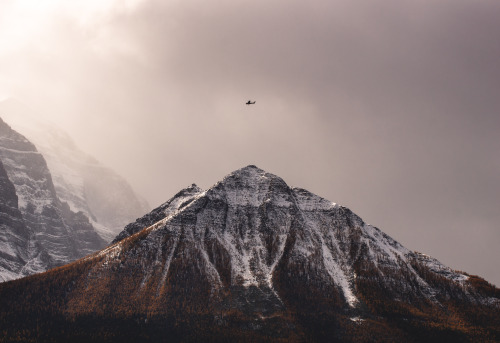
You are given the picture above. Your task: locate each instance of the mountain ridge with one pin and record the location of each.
(254, 259)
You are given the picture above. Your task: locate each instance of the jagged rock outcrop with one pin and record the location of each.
(252, 259)
(51, 234)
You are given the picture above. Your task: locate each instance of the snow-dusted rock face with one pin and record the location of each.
(252, 231)
(169, 208)
(252, 259)
(79, 180)
(52, 235)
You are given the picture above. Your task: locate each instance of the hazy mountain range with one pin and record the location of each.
(80, 180)
(252, 259)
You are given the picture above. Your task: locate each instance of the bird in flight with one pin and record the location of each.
(249, 102)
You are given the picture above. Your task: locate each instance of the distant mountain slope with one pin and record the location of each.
(39, 231)
(252, 259)
(79, 179)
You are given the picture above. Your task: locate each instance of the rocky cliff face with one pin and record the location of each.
(14, 236)
(254, 259)
(51, 234)
(79, 180)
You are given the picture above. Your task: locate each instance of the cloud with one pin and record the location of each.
(390, 107)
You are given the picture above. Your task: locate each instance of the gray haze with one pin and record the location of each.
(389, 107)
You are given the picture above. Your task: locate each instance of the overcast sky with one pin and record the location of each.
(389, 107)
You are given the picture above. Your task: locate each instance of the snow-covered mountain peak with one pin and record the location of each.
(248, 177)
(251, 228)
(252, 186)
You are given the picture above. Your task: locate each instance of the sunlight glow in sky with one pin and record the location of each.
(26, 21)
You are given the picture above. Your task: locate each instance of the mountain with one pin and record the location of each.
(80, 180)
(38, 231)
(252, 259)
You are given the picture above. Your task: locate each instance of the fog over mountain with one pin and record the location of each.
(389, 107)
(38, 230)
(79, 179)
